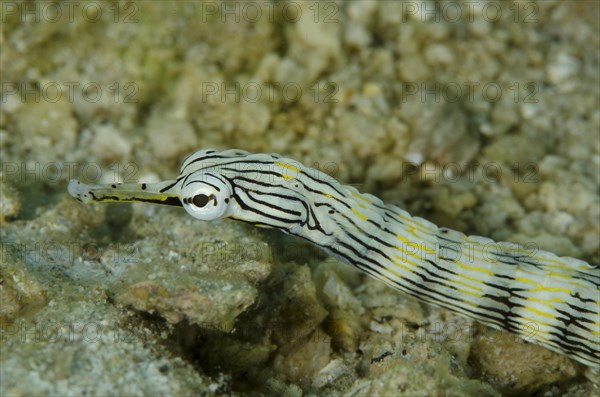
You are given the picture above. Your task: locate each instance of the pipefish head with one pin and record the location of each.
(207, 196)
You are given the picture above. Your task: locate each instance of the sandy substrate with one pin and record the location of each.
(479, 116)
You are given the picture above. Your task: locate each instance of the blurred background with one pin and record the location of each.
(481, 116)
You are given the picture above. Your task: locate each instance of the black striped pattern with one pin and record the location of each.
(546, 299)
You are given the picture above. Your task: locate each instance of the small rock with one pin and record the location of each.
(562, 67)
(108, 144)
(164, 145)
(439, 54)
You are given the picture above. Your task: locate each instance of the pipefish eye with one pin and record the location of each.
(205, 196)
(200, 200)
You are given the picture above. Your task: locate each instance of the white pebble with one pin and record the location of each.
(439, 54)
(414, 157)
(357, 36)
(108, 144)
(561, 68)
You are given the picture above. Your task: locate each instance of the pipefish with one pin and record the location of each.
(552, 301)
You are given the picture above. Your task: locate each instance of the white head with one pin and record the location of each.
(206, 196)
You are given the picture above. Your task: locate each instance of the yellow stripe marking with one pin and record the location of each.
(288, 166)
(406, 241)
(478, 269)
(540, 287)
(464, 291)
(467, 285)
(361, 216)
(415, 224)
(538, 312)
(360, 196)
(404, 267)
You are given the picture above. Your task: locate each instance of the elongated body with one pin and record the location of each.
(546, 299)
